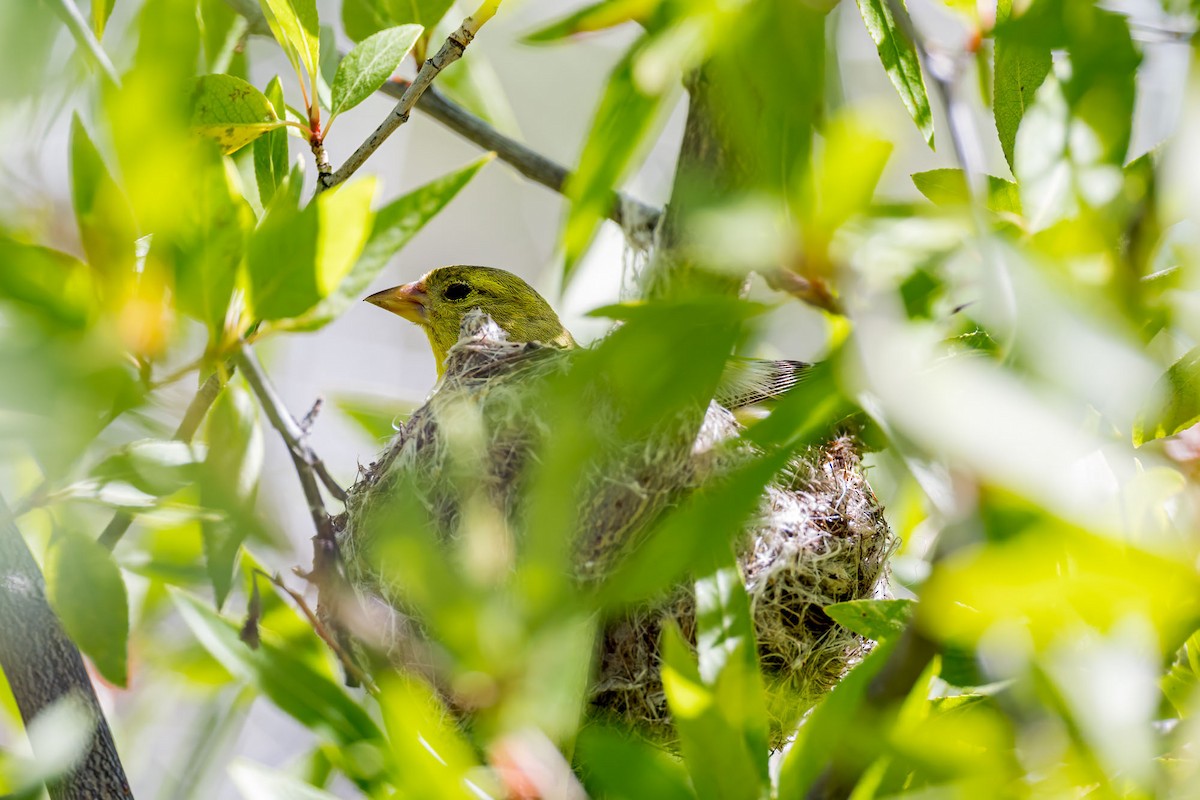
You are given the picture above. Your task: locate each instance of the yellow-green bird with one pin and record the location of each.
(443, 296)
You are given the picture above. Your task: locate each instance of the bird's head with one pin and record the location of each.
(439, 301)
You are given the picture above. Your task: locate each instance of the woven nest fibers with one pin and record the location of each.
(818, 537)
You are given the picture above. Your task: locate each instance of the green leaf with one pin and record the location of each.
(106, 225)
(208, 253)
(696, 536)
(101, 11)
(295, 26)
(221, 30)
(595, 17)
(154, 466)
(231, 472)
(827, 726)
(231, 111)
(874, 619)
(296, 258)
(362, 18)
(370, 64)
(623, 121)
(617, 766)
(1022, 64)
(395, 224)
(1177, 401)
(271, 149)
(727, 651)
(429, 756)
(52, 284)
(719, 758)
(900, 61)
(87, 592)
(309, 696)
(256, 782)
(948, 187)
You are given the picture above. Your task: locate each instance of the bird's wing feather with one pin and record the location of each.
(748, 381)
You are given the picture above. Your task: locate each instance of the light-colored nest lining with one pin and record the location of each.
(819, 537)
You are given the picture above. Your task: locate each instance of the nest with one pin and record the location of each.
(819, 536)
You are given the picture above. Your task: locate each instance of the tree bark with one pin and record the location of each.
(43, 666)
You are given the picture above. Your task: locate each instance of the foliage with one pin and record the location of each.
(1022, 349)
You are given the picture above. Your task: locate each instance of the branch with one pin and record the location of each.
(631, 214)
(451, 51)
(42, 666)
(325, 574)
(196, 411)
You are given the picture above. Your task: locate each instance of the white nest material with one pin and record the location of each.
(819, 536)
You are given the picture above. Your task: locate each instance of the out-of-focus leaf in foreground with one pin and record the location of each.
(88, 594)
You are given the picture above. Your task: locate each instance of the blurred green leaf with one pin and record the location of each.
(53, 285)
(721, 761)
(948, 187)
(616, 765)
(822, 734)
(231, 111)
(256, 782)
(624, 119)
(209, 252)
(312, 698)
(231, 471)
(154, 466)
(87, 592)
(297, 257)
(271, 149)
(295, 26)
(394, 225)
(873, 619)
(900, 61)
(101, 11)
(727, 652)
(362, 18)
(696, 536)
(1177, 401)
(1021, 67)
(1050, 580)
(429, 757)
(221, 29)
(106, 225)
(595, 17)
(370, 64)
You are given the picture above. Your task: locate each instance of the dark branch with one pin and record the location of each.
(43, 666)
(631, 214)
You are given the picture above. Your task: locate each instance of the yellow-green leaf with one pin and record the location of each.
(230, 111)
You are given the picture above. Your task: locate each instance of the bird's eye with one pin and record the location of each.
(456, 291)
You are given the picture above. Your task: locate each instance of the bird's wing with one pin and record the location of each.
(748, 381)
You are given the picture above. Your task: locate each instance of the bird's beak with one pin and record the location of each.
(409, 301)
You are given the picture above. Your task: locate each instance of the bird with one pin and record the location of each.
(440, 299)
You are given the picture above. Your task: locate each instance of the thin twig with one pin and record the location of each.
(451, 51)
(206, 395)
(630, 213)
(348, 663)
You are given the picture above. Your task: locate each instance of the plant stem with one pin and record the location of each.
(43, 666)
(452, 50)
